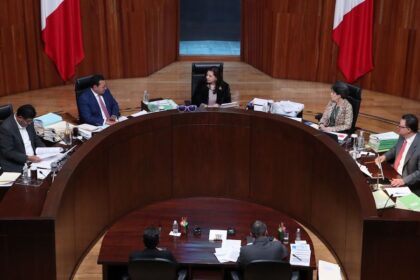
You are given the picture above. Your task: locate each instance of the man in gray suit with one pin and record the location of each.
(263, 247)
(18, 140)
(405, 155)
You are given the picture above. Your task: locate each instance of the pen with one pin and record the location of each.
(297, 257)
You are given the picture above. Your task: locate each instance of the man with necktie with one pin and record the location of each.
(406, 154)
(96, 104)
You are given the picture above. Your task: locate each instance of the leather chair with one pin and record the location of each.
(199, 71)
(80, 85)
(355, 98)
(267, 270)
(154, 269)
(5, 111)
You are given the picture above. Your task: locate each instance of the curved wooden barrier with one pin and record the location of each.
(237, 154)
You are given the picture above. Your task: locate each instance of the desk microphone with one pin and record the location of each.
(54, 168)
(386, 203)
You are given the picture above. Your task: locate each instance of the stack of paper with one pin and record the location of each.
(8, 178)
(229, 252)
(49, 119)
(409, 202)
(161, 105)
(46, 152)
(397, 192)
(383, 141)
(328, 271)
(300, 254)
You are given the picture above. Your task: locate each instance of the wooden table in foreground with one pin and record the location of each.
(193, 252)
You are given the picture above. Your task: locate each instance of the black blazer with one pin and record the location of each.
(263, 248)
(201, 94)
(152, 253)
(12, 149)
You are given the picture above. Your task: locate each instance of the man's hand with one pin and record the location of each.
(34, 159)
(380, 159)
(397, 182)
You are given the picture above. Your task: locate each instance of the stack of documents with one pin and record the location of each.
(161, 105)
(229, 252)
(48, 119)
(287, 108)
(86, 130)
(300, 253)
(261, 105)
(8, 178)
(409, 202)
(383, 141)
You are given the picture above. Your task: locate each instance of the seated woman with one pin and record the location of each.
(212, 91)
(338, 115)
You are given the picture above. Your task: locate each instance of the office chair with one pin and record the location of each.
(154, 269)
(80, 85)
(199, 71)
(5, 111)
(355, 98)
(267, 270)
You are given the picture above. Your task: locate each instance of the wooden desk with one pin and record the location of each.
(193, 252)
(262, 158)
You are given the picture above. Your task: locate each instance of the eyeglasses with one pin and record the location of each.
(400, 126)
(189, 108)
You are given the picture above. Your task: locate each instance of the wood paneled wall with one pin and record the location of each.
(288, 39)
(291, 39)
(122, 39)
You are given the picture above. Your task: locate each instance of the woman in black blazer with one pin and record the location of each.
(212, 90)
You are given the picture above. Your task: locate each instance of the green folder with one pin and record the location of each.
(410, 202)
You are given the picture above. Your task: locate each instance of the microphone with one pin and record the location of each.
(54, 168)
(386, 203)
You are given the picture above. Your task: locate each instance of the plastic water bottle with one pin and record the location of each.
(361, 141)
(25, 174)
(175, 227)
(146, 97)
(297, 234)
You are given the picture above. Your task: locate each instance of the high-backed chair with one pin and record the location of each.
(154, 269)
(199, 70)
(267, 270)
(5, 111)
(355, 98)
(80, 85)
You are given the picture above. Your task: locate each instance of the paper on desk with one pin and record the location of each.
(42, 173)
(382, 200)
(300, 254)
(140, 113)
(46, 163)
(178, 234)
(216, 234)
(328, 271)
(396, 192)
(229, 252)
(8, 178)
(48, 150)
(364, 169)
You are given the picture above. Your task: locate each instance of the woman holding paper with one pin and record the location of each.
(338, 114)
(212, 91)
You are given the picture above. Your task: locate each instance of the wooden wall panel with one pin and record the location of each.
(301, 46)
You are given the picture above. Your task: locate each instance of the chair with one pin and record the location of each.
(199, 70)
(266, 269)
(5, 111)
(80, 85)
(154, 269)
(355, 98)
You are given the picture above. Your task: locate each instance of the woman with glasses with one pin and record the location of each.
(338, 114)
(212, 91)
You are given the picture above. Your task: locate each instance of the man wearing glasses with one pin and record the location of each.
(406, 154)
(18, 140)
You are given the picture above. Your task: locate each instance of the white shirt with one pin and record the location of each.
(407, 147)
(29, 151)
(97, 96)
(212, 97)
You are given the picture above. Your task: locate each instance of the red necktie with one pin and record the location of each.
(103, 107)
(399, 156)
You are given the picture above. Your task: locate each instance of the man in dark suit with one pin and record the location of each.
(18, 140)
(405, 155)
(151, 240)
(263, 247)
(96, 104)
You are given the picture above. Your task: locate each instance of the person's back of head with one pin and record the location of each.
(26, 111)
(258, 228)
(340, 88)
(411, 122)
(151, 237)
(96, 78)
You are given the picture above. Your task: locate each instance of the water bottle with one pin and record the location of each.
(175, 227)
(25, 174)
(354, 152)
(297, 234)
(361, 141)
(67, 135)
(145, 97)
